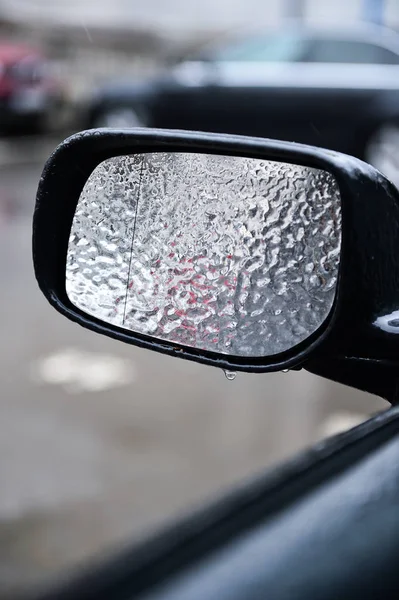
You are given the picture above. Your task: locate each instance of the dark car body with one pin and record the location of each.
(29, 94)
(336, 89)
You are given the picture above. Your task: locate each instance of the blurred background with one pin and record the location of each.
(100, 443)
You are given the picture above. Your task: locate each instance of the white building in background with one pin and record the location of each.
(181, 16)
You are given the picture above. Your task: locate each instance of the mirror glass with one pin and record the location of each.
(229, 254)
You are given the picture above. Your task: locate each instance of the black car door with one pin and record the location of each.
(242, 88)
(305, 88)
(347, 79)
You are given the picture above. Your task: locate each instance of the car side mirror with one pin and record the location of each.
(241, 253)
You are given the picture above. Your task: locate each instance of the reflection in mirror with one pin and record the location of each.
(233, 255)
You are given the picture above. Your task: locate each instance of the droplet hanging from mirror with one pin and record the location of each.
(230, 375)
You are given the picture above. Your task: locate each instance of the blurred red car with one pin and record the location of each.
(30, 96)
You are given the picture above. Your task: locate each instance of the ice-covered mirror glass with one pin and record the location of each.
(228, 254)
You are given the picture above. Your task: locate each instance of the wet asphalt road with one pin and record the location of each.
(99, 441)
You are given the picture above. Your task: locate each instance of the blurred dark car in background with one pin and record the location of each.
(30, 96)
(332, 88)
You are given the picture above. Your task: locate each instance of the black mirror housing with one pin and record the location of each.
(360, 335)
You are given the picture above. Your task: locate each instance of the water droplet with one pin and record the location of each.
(230, 375)
(285, 371)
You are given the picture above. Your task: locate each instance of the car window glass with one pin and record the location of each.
(288, 48)
(350, 52)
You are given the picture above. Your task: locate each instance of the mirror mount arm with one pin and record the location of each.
(374, 377)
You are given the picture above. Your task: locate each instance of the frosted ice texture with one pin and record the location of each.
(228, 254)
